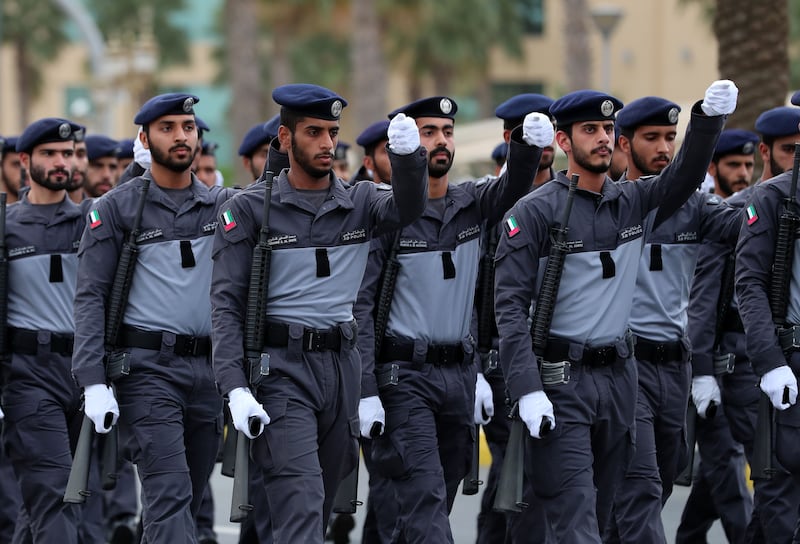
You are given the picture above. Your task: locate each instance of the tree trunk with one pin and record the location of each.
(244, 69)
(578, 68)
(753, 40)
(368, 86)
(25, 79)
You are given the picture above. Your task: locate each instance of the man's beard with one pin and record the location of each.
(165, 160)
(641, 164)
(582, 159)
(39, 176)
(76, 180)
(436, 169)
(775, 167)
(304, 162)
(547, 161)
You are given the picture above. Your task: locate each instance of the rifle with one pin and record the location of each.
(256, 359)
(778, 292)
(3, 278)
(386, 292)
(487, 328)
(509, 488)
(117, 362)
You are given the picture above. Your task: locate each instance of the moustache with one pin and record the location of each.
(60, 171)
(601, 148)
(441, 150)
(179, 147)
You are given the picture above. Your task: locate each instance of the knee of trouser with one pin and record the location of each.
(787, 447)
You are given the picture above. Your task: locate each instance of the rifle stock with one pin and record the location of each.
(385, 293)
(256, 359)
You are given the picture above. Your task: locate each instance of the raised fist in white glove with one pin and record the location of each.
(371, 417)
(534, 409)
(244, 407)
(403, 134)
(140, 154)
(720, 98)
(538, 130)
(484, 402)
(100, 406)
(705, 390)
(774, 382)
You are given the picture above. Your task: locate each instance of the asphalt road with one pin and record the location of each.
(462, 519)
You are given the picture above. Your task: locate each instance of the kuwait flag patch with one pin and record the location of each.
(228, 222)
(512, 227)
(752, 216)
(94, 219)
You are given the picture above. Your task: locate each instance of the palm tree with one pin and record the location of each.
(35, 37)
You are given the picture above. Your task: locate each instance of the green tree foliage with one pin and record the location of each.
(34, 30)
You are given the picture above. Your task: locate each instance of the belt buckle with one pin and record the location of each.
(602, 355)
(724, 364)
(489, 361)
(190, 345)
(554, 373)
(314, 342)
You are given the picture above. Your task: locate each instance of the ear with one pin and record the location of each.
(764, 151)
(712, 170)
(563, 141)
(368, 163)
(25, 161)
(285, 137)
(143, 139)
(624, 144)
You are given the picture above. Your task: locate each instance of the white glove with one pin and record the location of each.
(244, 406)
(537, 130)
(2, 415)
(100, 406)
(370, 413)
(533, 409)
(775, 381)
(484, 402)
(140, 154)
(403, 134)
(705, 390)
(720, 98)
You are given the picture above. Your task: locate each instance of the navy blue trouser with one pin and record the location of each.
(311, 443)
(660, 446)
(12, 499)
(576, 470)
(426, 448)
(43, 418)
(170, 426)
(718, 487)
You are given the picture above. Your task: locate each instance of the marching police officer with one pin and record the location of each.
(102, 172)
(319, 232)
(10, 169)
(430, 410)
(256, 147)
(40, 399)
(588, 393)
(168, 406)
(375, 164)
(658, 321)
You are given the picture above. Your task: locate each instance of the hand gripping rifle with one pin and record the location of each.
(778, 292)
(256, 359)
(510, 486)
(117, 363)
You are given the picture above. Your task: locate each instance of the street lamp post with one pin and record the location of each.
(606, 19)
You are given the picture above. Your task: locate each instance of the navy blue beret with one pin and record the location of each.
(310, 100)
(49, 129)
(780, 121)
(435, 106)
(736, 141)
(98, 146)
(649, 110)
(340, 154)
(523, 104)
(166, 104)
(9, 144)
(209, 148)
(258, 135)
(796, 98)
(585, 105)
(500, 151)
(202, 126)
(125, 148)
(271, 126)
(376, 132)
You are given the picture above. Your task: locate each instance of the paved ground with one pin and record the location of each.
(462, 519)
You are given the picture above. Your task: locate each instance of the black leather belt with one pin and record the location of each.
(277, 335)
(732, 322)
(658, 352)
(558, 350)
(437, 354)
(184, 345)
(26, 342)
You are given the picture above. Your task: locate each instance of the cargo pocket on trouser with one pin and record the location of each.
(270, 450)
(388, 452)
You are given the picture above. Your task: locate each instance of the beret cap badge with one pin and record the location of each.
(607, 108)
(64, 130)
